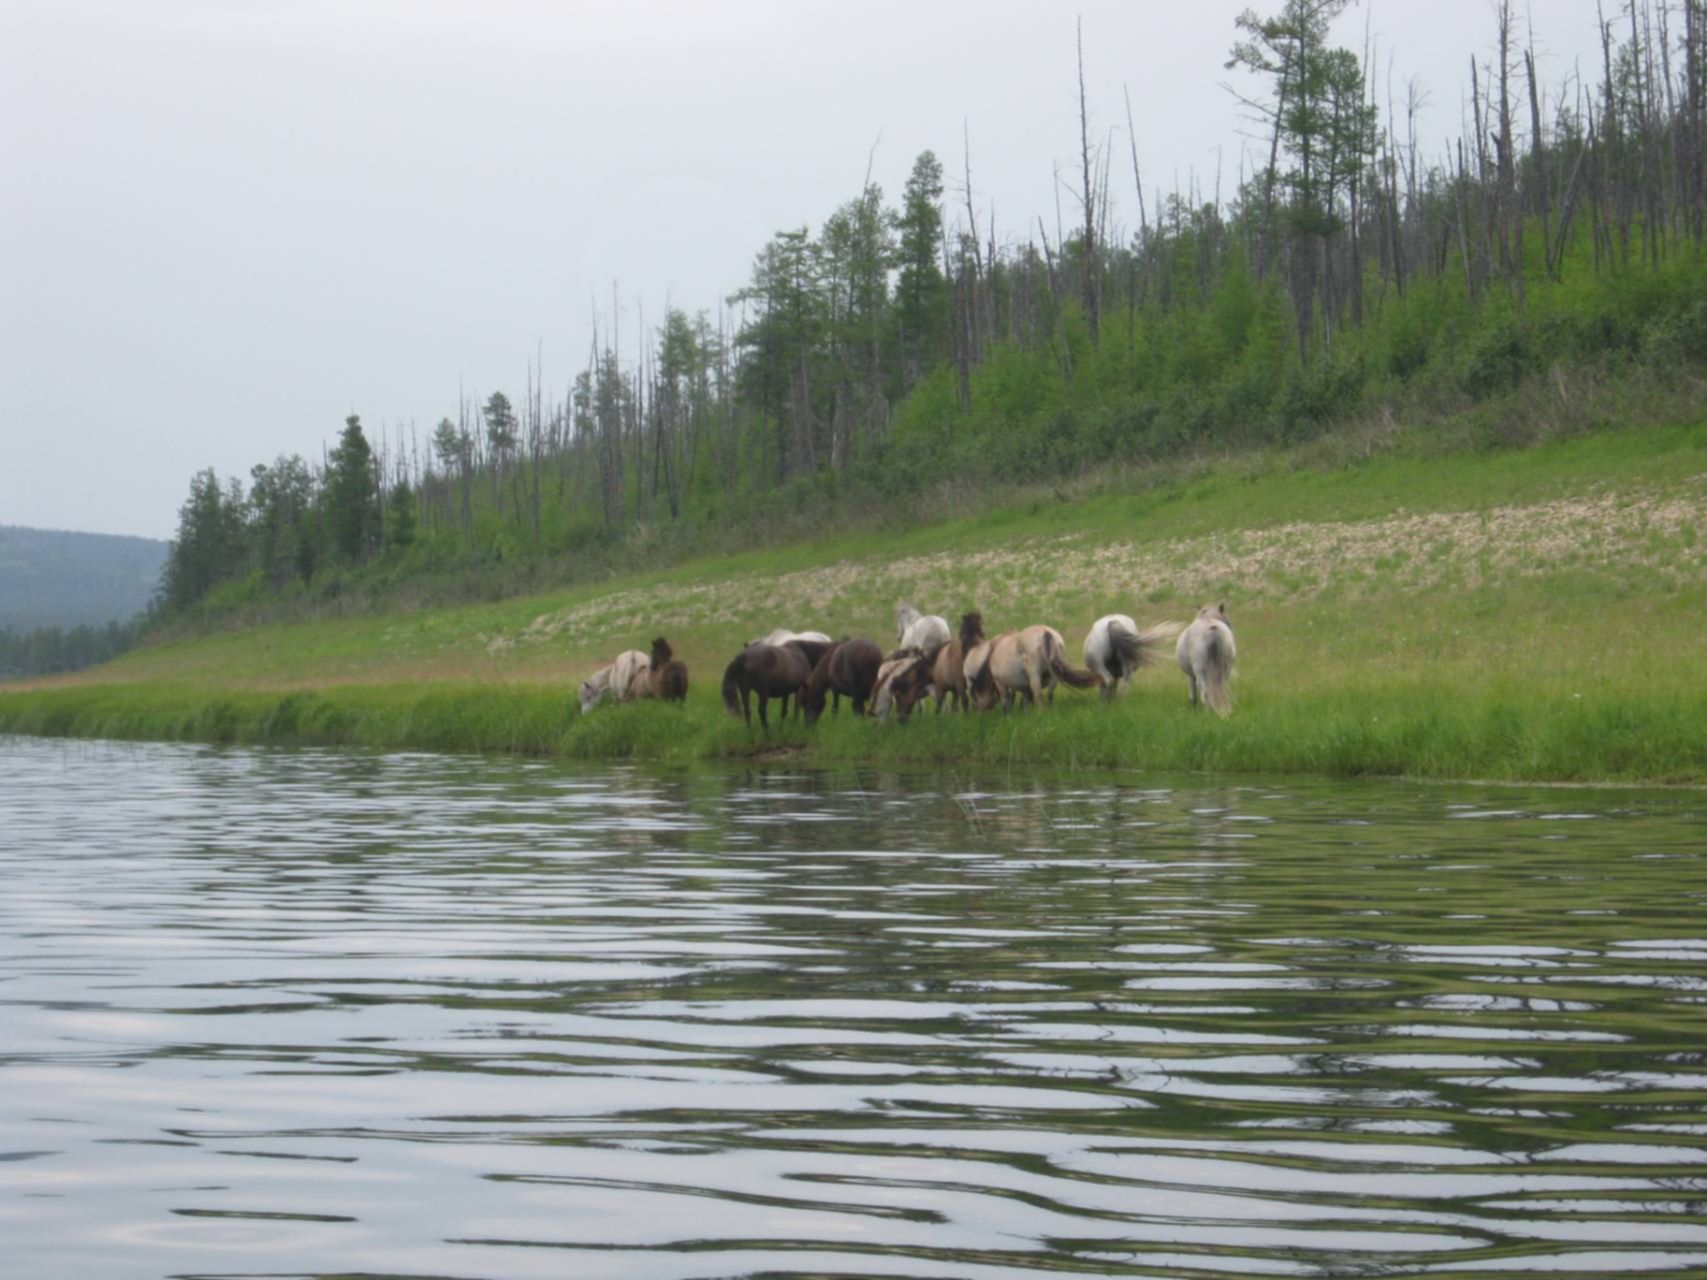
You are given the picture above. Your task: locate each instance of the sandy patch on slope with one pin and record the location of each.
(1299, 560)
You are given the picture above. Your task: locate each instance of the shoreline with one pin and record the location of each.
(1394, 733)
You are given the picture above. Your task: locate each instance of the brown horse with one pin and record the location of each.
(941, 671)
(1025, 664)
(668, 678)
(771, 671)
(850, 668)
(883, 693)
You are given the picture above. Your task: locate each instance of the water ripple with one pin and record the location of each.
(318, 1013)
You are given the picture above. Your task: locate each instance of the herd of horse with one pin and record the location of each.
(964, 667)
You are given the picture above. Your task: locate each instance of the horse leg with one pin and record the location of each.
(747, 705)
(1191, 681)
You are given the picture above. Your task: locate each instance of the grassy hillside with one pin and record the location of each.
(52, 578)
(1528, 613)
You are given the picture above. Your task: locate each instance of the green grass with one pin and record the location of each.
(1565, 648)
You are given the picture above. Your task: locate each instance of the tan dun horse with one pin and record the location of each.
(848, 668)
(771, 671)
(1206, 653)
(1025, 664)
(1115, 648)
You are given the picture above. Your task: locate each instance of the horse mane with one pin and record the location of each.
(971, 629)
(661, 653)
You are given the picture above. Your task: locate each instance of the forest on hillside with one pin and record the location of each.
(1351, 271)
(52, 577)
(70, 600)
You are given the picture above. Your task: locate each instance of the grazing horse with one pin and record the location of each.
(847, 668)
(883, 692)
(771, 671)
(668, 678)
(1025, 664)
(1115, 648)
(625, 679)
(940, 671)
(1206, 653)
(923, 632)
(976, 659)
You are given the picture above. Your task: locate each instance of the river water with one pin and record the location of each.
(305, 1013)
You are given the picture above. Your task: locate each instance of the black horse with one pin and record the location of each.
(771, 671)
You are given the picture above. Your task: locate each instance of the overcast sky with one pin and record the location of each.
(226, 224)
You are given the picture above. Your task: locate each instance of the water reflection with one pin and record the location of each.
(313, 1013)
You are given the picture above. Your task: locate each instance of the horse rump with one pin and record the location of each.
(670, 681)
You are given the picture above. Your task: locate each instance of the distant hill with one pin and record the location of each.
(52, 578)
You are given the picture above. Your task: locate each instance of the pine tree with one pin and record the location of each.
(352, 495)
(401, 517)
(921, 293)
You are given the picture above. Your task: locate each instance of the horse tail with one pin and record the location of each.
(1218, 655)
(674, 685)
(1065, 671)
(971, 629)
(1154, 642)
(732, 686)
(1126, 648)
(661, 654)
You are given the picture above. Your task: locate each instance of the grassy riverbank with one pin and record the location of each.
(1527, 614)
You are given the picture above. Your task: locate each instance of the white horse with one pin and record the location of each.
(625, 679)
(1115, 648)
(782, 635)
(920, 631)
(1206, 653)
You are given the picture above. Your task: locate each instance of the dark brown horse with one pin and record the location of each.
(939, 671)
(847, 668)
(669, 677)
(771, 671)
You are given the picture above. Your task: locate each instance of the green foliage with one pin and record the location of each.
(888, 361)
(209, 546)
(352, 495)
(400, 517)
(921, 293)
(55, 650)
(54, 578)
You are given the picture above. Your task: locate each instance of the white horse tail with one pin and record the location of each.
(1134, 649)
(1218, 655)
